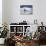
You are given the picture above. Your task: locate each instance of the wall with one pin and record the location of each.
(0, 13)
(15, 14)
(12, 11)
(4, 11)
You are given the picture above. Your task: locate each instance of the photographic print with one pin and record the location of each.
(26, 9)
